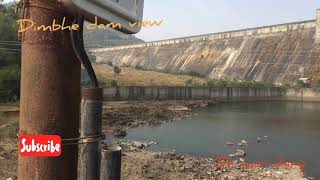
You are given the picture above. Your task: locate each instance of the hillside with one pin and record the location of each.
(133, 77)
(106, 38)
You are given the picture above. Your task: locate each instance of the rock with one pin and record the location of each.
(235, 161)
(182, 169)
(209, 173)
(229, 143)
(240, 144)
(232, 155)
(268, 173)
(13, 178)
(240, 153)
(151, 143)
(132, 148)
(139, 144)
(311, 178)
(204, 104)
(244, 142)
(178, 108)
(242, 160)
(119, 132)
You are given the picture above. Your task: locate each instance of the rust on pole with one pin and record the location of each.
(90, 132)
(50, 91)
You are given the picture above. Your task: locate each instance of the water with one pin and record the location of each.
(293, 131)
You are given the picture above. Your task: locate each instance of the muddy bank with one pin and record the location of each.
(8, 157)
(132, 114)
(140, 164)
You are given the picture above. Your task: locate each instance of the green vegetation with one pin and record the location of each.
(317, 85)
(112, 83)
(194, 74)
(188, 82)
(189, 73)
(300, 84)
(212, 82)
(167, 71)
(116, 70)
(9, 55)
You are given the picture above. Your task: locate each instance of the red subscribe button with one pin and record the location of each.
(40, 145)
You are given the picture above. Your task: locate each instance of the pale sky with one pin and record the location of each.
(193, 17)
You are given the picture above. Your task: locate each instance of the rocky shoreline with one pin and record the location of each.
(139, 163)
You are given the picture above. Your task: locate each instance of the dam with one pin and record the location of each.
(280, 54)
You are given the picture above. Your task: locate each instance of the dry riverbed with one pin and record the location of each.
(139, 163)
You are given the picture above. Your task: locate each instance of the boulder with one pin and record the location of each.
(119, 133)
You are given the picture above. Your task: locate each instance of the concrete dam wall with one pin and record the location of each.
(192, 93)
(279, 54)
(232, 94)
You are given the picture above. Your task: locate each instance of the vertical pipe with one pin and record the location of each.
(91, 125)
(111, 163)
(50, 92)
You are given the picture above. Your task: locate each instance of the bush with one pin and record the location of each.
(317, 84)
(138, 67)
(112, 83)
(110, 63)
(125, 65)
(9, 84)
(9, 60)
(116, 70)
(300, 84)
(195, 74)
(188, 82)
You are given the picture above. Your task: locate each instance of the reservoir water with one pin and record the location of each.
(290, 131)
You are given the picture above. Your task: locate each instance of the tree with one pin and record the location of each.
(116, 70)
(300, 84)
(9, 55)
(188, 82)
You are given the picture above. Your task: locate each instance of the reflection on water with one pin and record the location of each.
(293, 131)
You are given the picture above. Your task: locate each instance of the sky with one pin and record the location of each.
(194, 17)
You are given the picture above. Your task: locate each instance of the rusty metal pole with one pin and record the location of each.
(50, 92)
(111, 163)
(90, 133)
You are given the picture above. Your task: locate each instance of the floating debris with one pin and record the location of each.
(240, 153)
(259, 140)
(240, 144)
(229, 143)
(232, 155)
